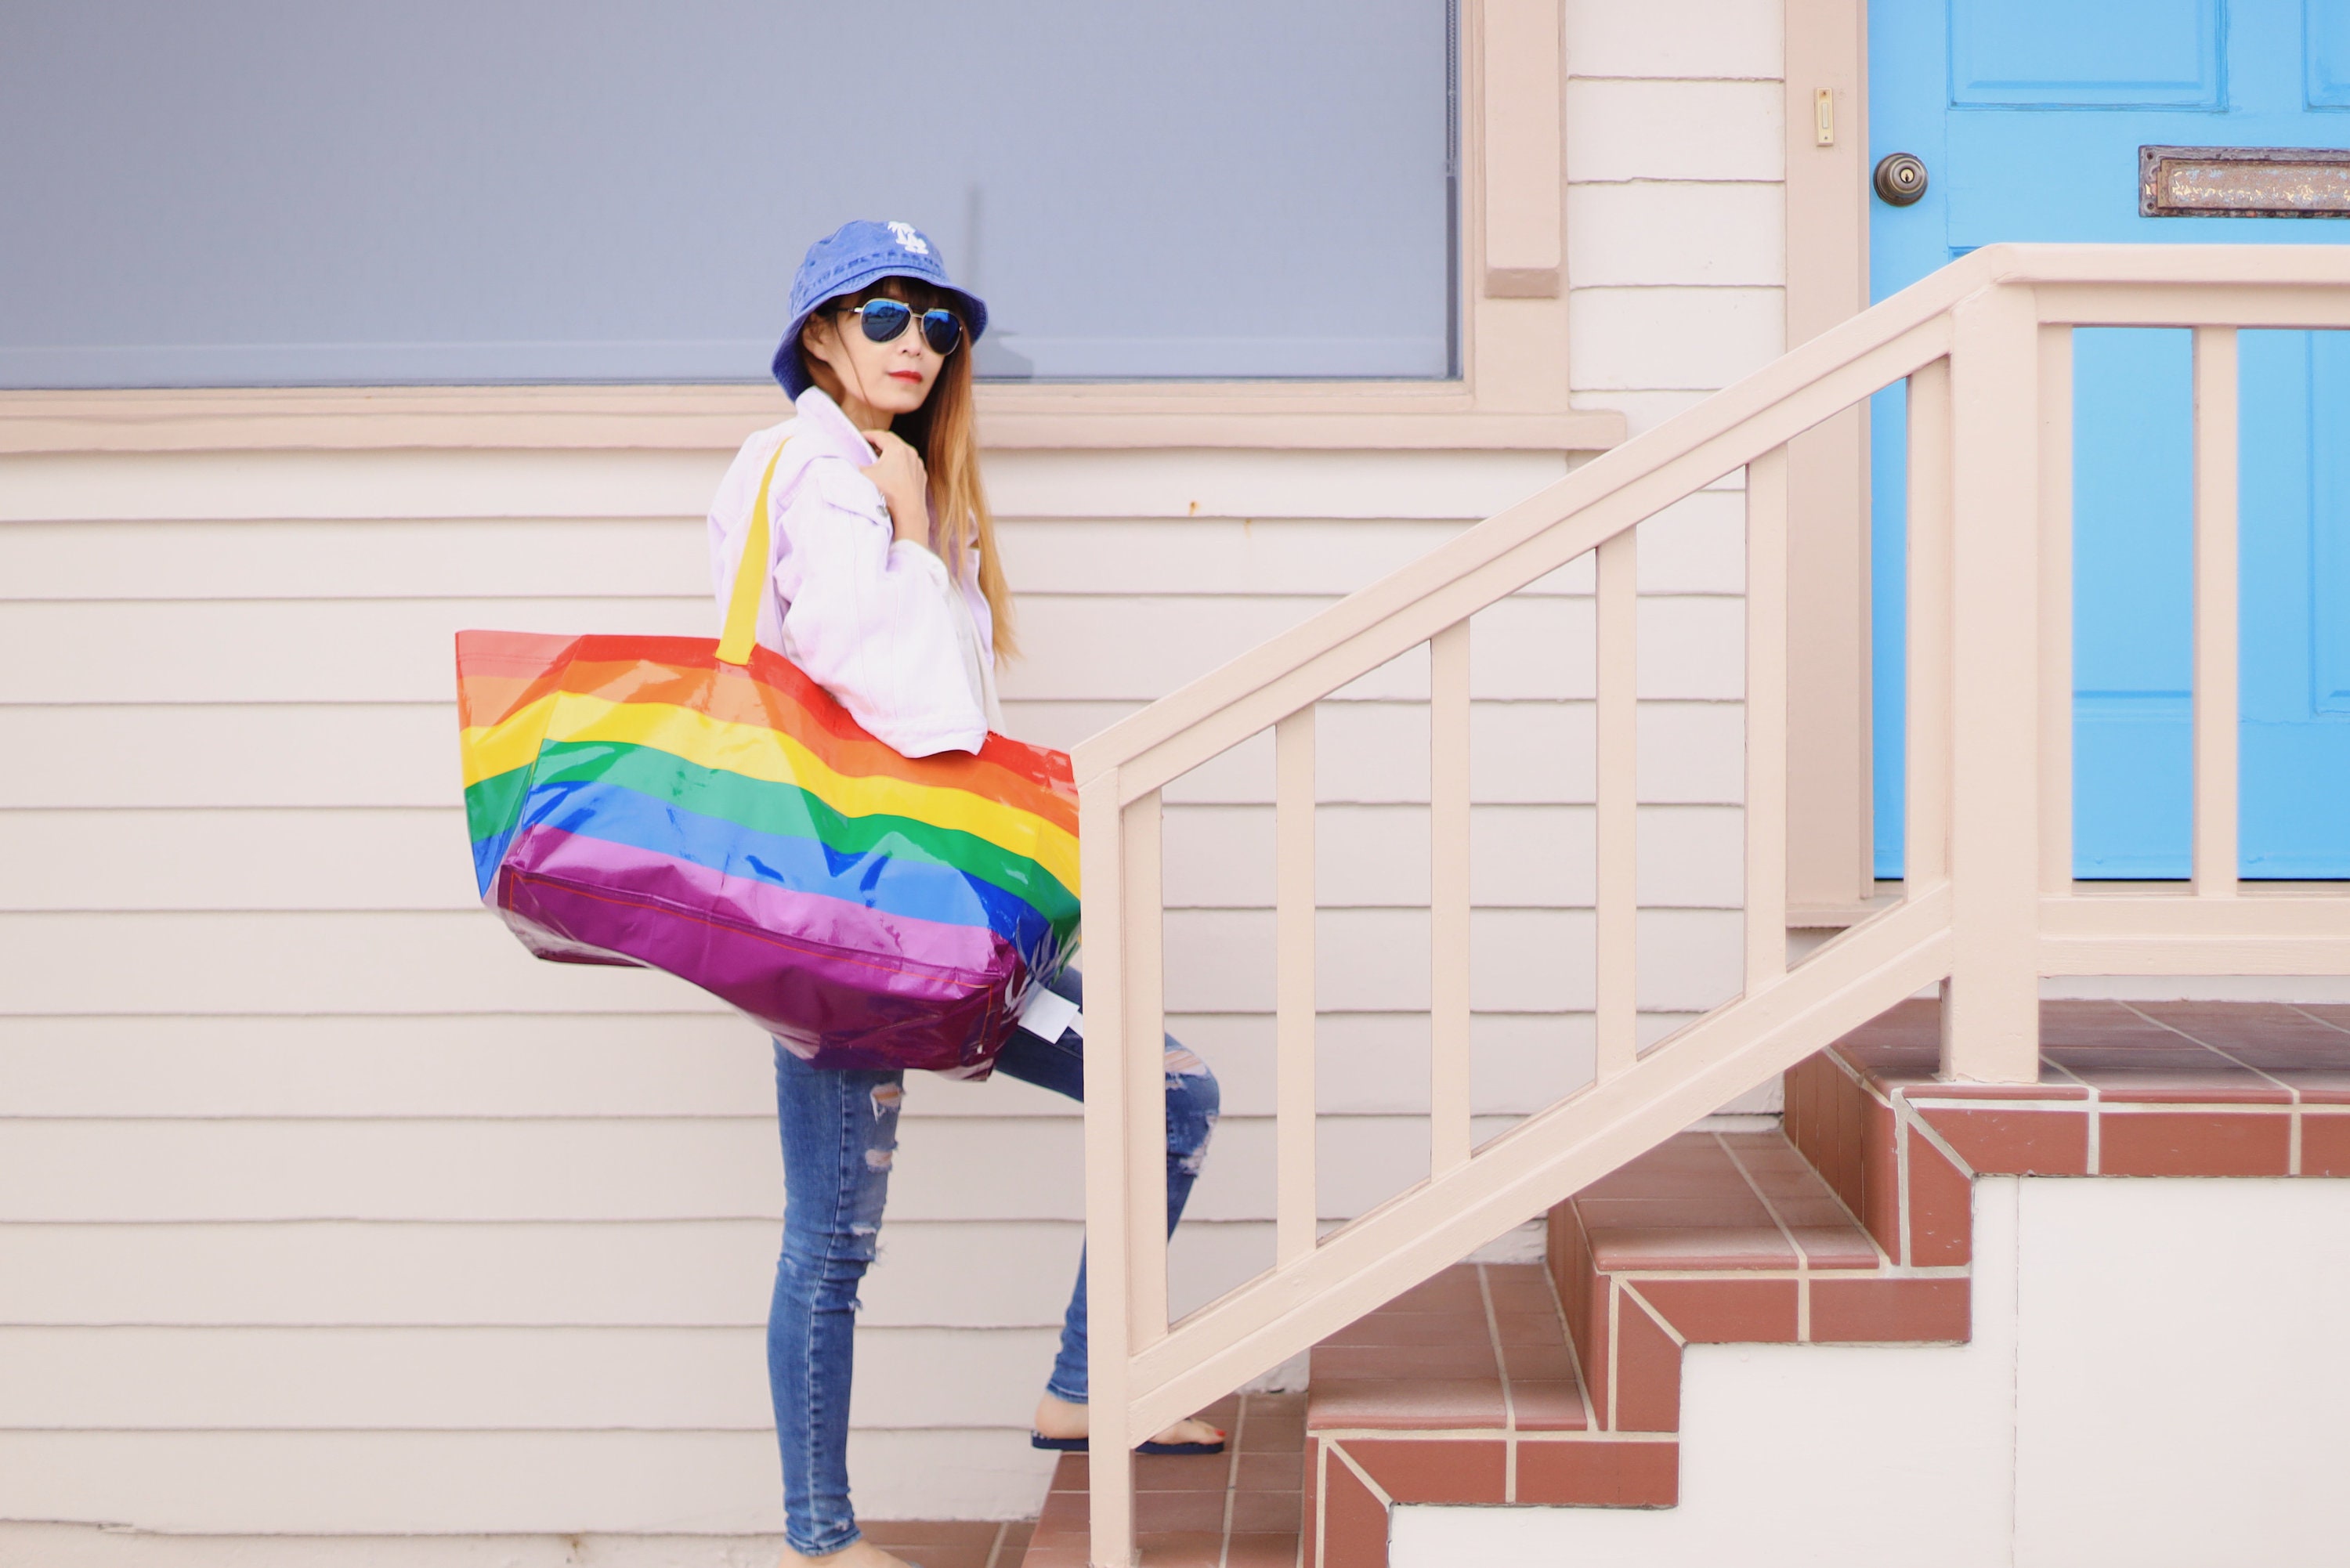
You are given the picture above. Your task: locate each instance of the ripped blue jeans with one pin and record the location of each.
(841, 1133)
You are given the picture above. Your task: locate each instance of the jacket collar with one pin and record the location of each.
(827, 429)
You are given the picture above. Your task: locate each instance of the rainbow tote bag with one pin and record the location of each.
(703, 808)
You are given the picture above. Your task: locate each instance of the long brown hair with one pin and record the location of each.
(944, 431)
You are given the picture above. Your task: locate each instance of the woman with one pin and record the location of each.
(886, 589)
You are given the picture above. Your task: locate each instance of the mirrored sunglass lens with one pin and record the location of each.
(942, 330)
(885, 318)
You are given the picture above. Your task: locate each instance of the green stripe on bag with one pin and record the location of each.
(789, 810)
(493, 805)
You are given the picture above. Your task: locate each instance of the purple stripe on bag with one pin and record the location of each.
(830, 982)
(963, 956)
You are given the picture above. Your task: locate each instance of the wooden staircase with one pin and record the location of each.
(1561, 1385)
(1988, 910)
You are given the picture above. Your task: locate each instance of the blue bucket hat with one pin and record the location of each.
(847, 259)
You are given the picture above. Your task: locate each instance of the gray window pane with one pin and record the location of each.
(280, 191)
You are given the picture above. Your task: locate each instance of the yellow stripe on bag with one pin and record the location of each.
(490, 750)
(758, 753)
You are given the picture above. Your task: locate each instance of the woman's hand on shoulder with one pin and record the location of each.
(897, 473)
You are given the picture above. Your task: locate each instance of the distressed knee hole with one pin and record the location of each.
(1183, 1064)
(887, 1099)
(1190, 1160)
(879, 1158)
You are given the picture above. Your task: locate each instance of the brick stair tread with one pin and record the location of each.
(1475, 1347)
(2200, 1053)
(1240, 1509)
(2136, 1088)
(1464, 1389)
(1729, 1201)
(951, 1543)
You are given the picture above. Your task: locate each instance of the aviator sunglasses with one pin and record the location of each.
(884, 319)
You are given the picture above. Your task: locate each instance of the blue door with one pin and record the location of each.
(2029, 115)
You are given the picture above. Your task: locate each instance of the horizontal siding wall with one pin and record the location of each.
(311, 1176)
(1676, 226)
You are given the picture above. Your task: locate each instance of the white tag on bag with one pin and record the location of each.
(1048, 1016)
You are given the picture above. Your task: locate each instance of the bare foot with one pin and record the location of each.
(1056, 1418)
(856, 1554)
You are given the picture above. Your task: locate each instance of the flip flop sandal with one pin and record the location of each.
(1078, 1446)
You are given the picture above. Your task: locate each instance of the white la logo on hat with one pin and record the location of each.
(908, 239)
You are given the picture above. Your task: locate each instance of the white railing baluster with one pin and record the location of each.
(1926, 821)
(1110, 1237)
(1617, 809)
(1293, 1028)
(1146, 1058)
(2215, 612)
(1766, 720)
(2055, 610)
(1448, 898)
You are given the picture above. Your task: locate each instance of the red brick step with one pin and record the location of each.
(1238, 1508)
(1499, 1383)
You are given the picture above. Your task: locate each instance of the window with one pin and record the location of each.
(258, 192)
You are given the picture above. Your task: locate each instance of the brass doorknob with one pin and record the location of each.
(1900, 179)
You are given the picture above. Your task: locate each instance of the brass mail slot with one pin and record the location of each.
(2244, 183)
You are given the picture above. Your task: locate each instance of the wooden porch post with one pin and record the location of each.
(1991, 1009)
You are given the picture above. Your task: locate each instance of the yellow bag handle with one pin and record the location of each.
(750, 575)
